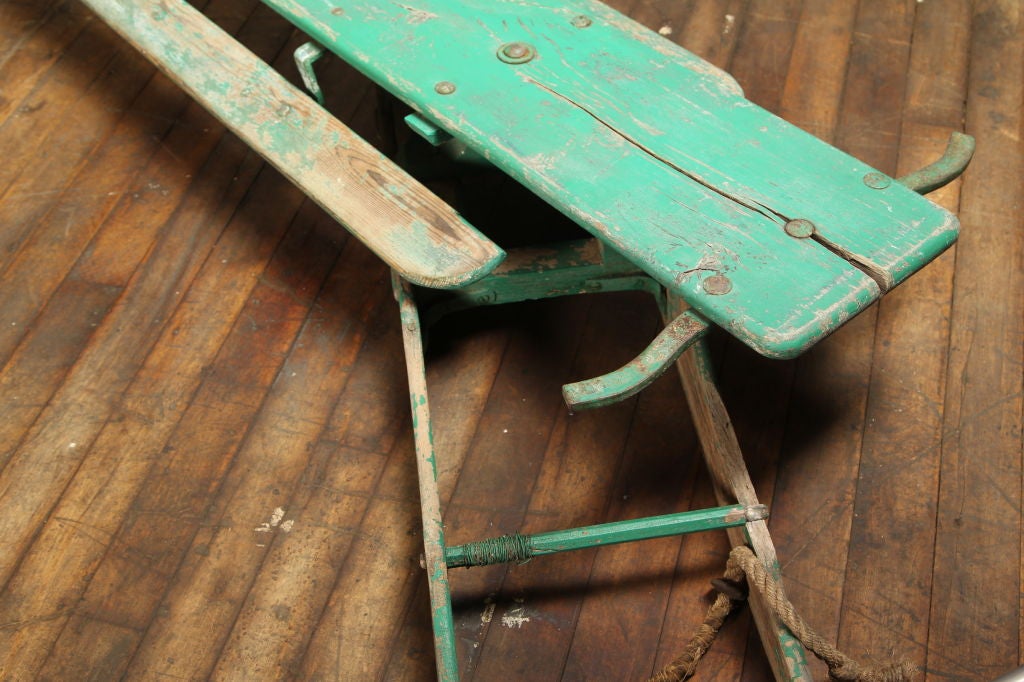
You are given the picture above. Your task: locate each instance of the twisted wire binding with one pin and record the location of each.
(499, 550)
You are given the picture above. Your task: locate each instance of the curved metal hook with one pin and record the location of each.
(636, 375)
(954, 160)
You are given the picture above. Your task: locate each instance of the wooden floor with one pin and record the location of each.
(205, 454)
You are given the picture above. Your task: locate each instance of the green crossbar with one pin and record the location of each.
(512, 548)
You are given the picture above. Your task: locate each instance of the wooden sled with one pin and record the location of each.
(723, 212)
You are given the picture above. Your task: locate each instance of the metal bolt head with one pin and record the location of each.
(444, 88)
(516, 53)
(581, 21)
(877, 180)
(800, 228)
(717, 285)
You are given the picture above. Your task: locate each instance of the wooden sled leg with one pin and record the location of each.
(732, 484)
(430, 501)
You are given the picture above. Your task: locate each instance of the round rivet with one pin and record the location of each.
(516, 53)
(877, 180)
(716, 285)
(581, 21)
(444, 88)
(337, 11)
(800, 228)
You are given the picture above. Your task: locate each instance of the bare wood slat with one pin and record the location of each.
(409, 227)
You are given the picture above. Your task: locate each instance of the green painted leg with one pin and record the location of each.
(732, 484)
(430, 502)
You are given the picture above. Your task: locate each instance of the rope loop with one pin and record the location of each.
(742, 566)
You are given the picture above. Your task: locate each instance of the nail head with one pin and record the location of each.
(877, 180)
(800, 228)
(581, 21)
(717, 285)
(444, 88)
(516, 53)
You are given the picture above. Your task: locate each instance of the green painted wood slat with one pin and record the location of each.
(651, 149)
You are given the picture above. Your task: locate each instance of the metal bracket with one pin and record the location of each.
(426, 129)
(305, 56)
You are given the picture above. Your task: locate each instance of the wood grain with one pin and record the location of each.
(890, 455)
(892, 537)
(978, 506)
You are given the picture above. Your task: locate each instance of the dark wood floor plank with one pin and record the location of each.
(977, 565)
(290, 590)
(889, 570)
(630, 586)
(102, 373)
(60, 123)
(47, 354)
(869, 128)
(253, 505)
(118, 348)
(135, 129)
(112, 257)
(813, 487)
(531, 620)
(36, 36)
(375, 586)
(497, 478)
(261, 307)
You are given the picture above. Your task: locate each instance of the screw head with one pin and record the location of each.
(516, 53)
(717, 285)
(337, 11)
(581, 21)
(877, 180)
(444, 88)
(799, 228)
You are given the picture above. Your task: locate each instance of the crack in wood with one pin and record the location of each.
(749, 204)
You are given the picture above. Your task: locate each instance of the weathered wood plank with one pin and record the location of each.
(103, 83)
(123, 424)
(121, 243)
(38, 471)
(887, 586)
(813, 490)
(163, 504)
(230, 545)
(91, 404)
(975, 608)
(533, 616)
(409, 227)
(44, 358)
(377, 584)
(39, 35)
(975, 595)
